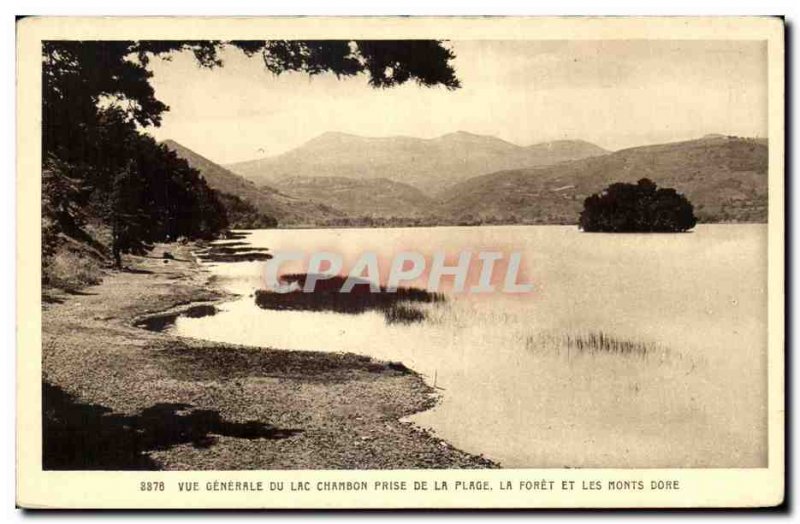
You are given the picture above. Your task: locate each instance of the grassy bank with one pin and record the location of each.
(117, 396)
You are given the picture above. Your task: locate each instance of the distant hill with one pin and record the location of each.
(287, 209)
(724, 177)
(376, 197)
(431, 165)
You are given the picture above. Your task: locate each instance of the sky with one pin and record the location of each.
(614, 93)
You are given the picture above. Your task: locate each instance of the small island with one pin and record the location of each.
(642, 207)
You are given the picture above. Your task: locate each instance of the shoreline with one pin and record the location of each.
(483, 224)
(120, 397)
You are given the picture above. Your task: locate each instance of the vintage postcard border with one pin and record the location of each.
(95, 489)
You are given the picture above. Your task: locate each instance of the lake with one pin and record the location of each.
(522, 379)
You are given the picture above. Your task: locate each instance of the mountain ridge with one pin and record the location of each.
(374, 197)
(724, 177)
(429, 164)
(287, 209)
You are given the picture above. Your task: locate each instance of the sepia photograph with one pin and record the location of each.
(355, 253)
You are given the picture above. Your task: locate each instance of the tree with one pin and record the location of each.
(97, 96)
(142, 191)
(79, 75)
(242, 214)
(640, 207)
(127, 219)
(61, 209)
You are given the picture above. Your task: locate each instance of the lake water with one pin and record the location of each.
(513, 385)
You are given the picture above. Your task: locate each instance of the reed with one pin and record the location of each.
(594, 342)
(403, 314)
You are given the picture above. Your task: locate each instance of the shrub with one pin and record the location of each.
(70, 271)
(640, 207)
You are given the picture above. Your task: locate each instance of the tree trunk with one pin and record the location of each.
(117, 254)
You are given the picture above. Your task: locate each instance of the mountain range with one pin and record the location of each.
(462, 178)
(724, 177)
(431, 165)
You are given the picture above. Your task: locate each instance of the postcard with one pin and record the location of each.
(454, 262)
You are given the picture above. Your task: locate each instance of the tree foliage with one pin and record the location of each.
(97, 98)
(640, 207)
(140, 190)
(243, 215)
(77, 75)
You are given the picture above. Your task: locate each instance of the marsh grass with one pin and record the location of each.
(403, 314)
(467, 316)
(606, 343)
(327, 297)
(595, 343)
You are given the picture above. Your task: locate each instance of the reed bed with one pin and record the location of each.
(403, 314)
(593, 343)
(327, 297)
